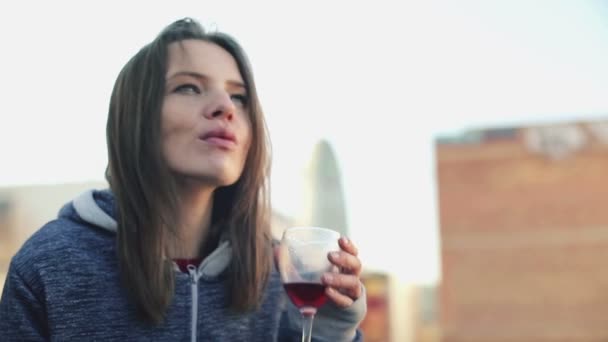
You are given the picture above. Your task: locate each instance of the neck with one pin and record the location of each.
(196, 206)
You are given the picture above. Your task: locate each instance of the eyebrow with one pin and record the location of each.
(200, 76)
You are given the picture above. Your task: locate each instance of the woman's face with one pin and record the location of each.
(205, 125)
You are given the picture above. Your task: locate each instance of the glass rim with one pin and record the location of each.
(317, 228)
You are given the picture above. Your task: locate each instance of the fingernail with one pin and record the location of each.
(345, 240)
(328, 278)
(335, 255)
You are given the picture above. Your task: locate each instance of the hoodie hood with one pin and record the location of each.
(96, 207)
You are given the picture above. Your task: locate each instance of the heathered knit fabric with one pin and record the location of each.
(63, 285)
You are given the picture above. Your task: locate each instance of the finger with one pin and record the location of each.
(347, 284)
(338, 298)
(348, 246)
(348, 262)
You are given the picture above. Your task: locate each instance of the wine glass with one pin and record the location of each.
(302, 259)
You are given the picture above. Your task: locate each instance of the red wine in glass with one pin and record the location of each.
(306, 294)
(302, 260)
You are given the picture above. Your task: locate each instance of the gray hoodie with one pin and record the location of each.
(63, 285)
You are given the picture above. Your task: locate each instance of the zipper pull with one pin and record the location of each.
(193, 274)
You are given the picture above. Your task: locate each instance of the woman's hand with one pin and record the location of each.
(345, 287)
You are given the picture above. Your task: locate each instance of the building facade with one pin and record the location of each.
(524, 233)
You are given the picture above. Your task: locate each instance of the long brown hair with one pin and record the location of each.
(145, 189)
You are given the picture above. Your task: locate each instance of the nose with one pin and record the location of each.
(220, 106)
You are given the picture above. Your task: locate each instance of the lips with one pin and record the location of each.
(222, 138)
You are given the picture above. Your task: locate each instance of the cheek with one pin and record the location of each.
(172, 137)
(248, 140)
(166, 126)
(167, 136)
(174, 124)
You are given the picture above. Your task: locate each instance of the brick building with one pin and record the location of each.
(524, 234)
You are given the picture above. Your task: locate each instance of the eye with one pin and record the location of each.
(240, 99)
(187, 88)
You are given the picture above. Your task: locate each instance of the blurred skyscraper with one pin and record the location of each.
(323, 194)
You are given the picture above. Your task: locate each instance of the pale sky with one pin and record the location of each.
(379, 80)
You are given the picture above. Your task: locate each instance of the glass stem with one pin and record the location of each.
(308, 316)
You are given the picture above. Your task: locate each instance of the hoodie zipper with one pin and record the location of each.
(194, 287)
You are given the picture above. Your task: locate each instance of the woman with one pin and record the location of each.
(179, 248)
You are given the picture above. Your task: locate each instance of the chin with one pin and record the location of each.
(210, 175)
(214, 180)
(226, 182)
